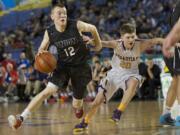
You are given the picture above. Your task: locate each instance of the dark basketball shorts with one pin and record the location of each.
(173, 63)
(80, 76)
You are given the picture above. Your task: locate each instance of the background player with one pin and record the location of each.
(172, 60)
(124, 73)
(65, 34)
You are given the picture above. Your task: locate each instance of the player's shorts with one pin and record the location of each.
(173, 63)
(80, 76)
(117, 79)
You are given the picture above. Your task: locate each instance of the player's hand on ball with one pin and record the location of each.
(45, 62)
(40, 52)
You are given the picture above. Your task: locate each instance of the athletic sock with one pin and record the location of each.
(166, 110)
(93, 94)
(25, 114)
(86, 119)
(122, 107)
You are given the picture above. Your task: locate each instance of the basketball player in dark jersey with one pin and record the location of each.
(72, 61)
(172, 60)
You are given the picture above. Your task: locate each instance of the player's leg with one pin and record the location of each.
(166, 118)
(173, 66)
(91, 91)
(129, 93)
(80, 77)
(178, 106)
(58, 80)
(94, 107)
(16, 121)
(106, 90)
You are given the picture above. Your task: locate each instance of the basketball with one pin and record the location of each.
(45, 62)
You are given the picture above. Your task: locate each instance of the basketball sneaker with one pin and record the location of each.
(81, 127)
(15, 121)
(177, 123)
(116, 115)
(78, 112)
(166, 119)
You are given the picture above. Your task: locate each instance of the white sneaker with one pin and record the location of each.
(15, 121)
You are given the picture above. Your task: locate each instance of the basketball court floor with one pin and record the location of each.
(140, 118)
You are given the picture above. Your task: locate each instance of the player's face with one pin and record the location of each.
(59, 16)
(129, 40)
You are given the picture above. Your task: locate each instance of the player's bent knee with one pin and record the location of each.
(48, 91)
(99, 99)
(77, 103)
(97, 102)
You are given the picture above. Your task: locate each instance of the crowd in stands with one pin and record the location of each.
(20, 78)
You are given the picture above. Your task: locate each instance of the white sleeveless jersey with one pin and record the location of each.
(126, 60)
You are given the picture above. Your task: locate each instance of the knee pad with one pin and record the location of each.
(77, 103)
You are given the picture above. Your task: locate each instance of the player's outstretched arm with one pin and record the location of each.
(86, 27)
(172, 38)
(45, 43)
(146, 44)
(109, 44)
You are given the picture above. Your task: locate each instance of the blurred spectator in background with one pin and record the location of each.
(22, 80)
(151, 73)
(30, 51)
(2, 46)
(23, 61)
(2, 79)
(11, 79)
(106, 64)
(91, 87)
(8, 60)
(33, 83)
(154, 78)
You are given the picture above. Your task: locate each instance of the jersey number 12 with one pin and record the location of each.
(69, 51)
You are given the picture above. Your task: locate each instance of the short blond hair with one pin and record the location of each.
(127, 28)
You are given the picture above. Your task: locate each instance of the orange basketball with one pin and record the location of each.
(45, 62)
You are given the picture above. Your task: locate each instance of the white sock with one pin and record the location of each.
(94, 94)
(90, 94)
(25, 114)
(166, 110)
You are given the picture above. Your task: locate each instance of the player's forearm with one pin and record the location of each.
(174, 35)
(109, 44)
(42, 48)
(45, 42)
(157, 41)
(146, 44)
(97, 40)
(105, 44)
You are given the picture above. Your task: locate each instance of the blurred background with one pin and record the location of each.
(22, 25)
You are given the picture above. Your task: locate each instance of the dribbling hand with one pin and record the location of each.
(40, 52)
